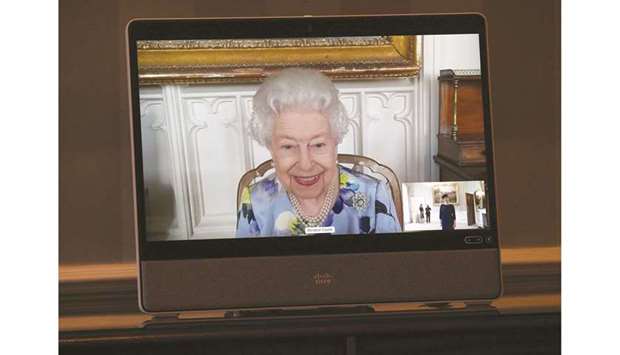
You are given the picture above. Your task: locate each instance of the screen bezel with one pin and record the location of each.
(188, 29)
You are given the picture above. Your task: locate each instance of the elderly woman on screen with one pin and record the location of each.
(300, 120)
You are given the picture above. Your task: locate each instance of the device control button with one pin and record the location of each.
(489, 239)
(473, 239)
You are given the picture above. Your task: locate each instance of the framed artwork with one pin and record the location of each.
(251, 60)
(450, 189)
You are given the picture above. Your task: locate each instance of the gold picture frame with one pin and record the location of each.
(251, 60)
(446, 188)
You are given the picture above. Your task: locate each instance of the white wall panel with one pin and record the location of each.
(215, 152)
(388, 124)
(165, 203)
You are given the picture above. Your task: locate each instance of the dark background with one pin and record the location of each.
(95, 179)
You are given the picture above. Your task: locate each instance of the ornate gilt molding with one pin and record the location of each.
(242, 61)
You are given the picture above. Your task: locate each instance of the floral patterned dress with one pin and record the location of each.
(363, 206)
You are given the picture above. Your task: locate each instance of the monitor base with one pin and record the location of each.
(319, 311)
(168, 319)
(174, 319)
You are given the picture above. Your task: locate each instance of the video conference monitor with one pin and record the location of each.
(286, 162)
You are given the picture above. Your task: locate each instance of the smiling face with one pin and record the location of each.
(304, 153)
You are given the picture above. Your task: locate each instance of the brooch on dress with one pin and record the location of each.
(359, 201)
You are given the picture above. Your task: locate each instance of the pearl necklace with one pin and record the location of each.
(328, 203)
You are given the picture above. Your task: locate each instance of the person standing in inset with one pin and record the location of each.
(421, 213)
(447, 214)
(428, 214)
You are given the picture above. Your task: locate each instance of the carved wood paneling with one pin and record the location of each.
(165, 207)
(214, 142)
(388, 118)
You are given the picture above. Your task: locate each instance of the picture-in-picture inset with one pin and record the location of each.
(444, 205)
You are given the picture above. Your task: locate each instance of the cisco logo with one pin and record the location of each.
(323, 279)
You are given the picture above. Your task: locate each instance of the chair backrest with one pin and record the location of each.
(358, 162)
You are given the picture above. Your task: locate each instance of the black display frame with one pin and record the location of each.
(257, 28)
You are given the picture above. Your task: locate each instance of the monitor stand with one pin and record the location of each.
(301, 312)
(173, 319)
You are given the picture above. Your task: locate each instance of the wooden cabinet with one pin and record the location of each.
(461, 149)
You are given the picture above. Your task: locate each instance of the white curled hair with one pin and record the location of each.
(294, 89)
